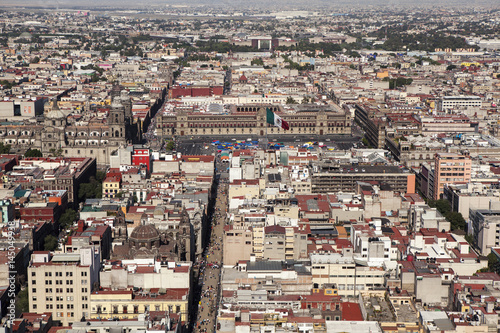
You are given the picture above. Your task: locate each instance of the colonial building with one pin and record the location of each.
(251, 120)
(86, 134)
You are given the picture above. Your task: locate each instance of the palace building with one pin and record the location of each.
(251, 120)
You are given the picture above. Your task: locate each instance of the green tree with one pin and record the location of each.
(493, 263)
(33, 153)
(290, 100)
(50, 243)
(451, 67)
(68, 218)
(92, 189)
(100, 175)
(35, 60)
(456, 219)
(4, 149)
(170, 146)
(257, 62)
(22, 301)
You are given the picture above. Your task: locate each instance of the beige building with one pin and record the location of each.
(144, 273)
(237, 240)
(62, 283)
(251, 120)
(249, 188)
(342, 271)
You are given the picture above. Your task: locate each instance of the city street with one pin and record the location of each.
(210, 267)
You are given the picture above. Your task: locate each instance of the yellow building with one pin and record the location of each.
(110, 187)
(129, 304)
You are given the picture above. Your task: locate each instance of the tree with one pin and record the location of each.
(290, 100)
(33, 153)
(170, 146)
(22, 301)
(257, 62)
(92, 189)
(305, 100)
(4, 149)
(68, 218)
(492, 262)
(456, 219)
(35, 60)
(451, 67)
(50, 243)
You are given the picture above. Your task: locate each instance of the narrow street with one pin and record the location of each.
(210, 268)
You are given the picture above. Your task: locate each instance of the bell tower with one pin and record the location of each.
(116, 120)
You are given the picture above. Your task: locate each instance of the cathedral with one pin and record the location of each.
(62, 133)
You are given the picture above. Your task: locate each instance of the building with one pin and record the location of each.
(111, 187)
(341, 271)
(238, 244)
(141, 156)
(59, 134)
(53, 173)
(62, 283)
(373, 125)
(251, 120)
(450, 168)
(449, 103)
(129, 304)
(463, 197)
(486, 227)
(328, 178)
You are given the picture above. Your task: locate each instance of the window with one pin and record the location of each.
(33, 273)
(69, 273)
(33, 281)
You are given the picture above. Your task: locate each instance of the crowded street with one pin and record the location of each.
(210, 266)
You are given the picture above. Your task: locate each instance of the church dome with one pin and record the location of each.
(145, 233)
(54, 112)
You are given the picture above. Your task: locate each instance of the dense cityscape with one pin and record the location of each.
(196, 168)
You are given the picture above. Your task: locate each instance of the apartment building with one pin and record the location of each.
(344, 178)
(450, 168)
(447, 103)
(342, 272)
(486, 226)
(62, 283)
(238, 243)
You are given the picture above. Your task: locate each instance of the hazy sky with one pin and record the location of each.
(282, 4)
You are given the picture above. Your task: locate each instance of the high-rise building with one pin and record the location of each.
(62, 283)
(450, 168)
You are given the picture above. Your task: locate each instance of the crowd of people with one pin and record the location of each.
(210, 266)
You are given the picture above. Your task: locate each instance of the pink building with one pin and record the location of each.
(450, 168)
